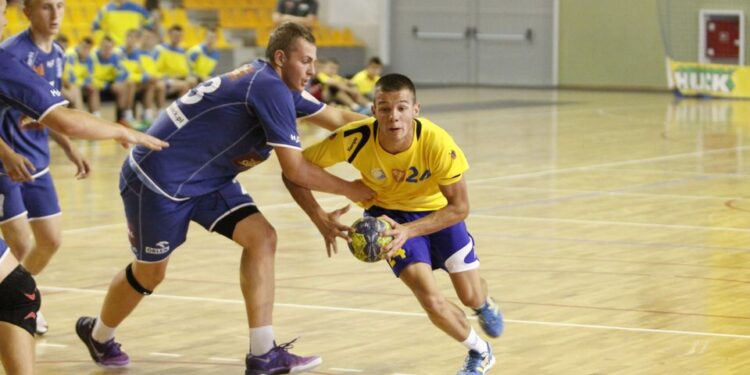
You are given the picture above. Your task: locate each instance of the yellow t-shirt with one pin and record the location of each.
(172, 62)
(365, 84)
(407, 181)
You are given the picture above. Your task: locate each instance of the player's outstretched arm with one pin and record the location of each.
(308, 175)
(456, 210)
(79, 124)
(333, 118)
(328, 223)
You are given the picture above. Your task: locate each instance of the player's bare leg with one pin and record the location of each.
(472, 291)
(48, 237)
(16, 350)
(258, 240)
(443, 313)
(17, 233)
(448, 317)
(122, 298)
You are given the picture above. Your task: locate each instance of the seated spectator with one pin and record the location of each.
(173, 64)
(149, 56)
(303, 12)
(70, 88)
(155, 16)
(366, 78)
(144, 84)
(339, 90)
(115, 18)
(79, 68)
(204, 57)
(111, 78)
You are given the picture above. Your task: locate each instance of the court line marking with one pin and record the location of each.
(617, 192)
(604, 165)
(170, 355)
(222, 359)
(608, 222)
(421, 315)
(345, 369)
(51, 345)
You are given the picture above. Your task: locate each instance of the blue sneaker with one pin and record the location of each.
(490, 318)
(279, 361)
(107, 354)
(477, 363)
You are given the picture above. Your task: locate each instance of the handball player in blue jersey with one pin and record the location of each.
(224, 126)
(30, 202)
(23, 89)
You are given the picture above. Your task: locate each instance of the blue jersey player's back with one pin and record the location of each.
(222, 127)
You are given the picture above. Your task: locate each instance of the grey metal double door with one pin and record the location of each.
(486, 42)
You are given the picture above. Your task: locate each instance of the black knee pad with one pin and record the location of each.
(134, 283)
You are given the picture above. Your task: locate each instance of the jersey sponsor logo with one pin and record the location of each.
(50, 63)
(377, 174)
(161, 247)
(175, 114)
(28, 123)
(240, 72)
(247, 161)
(39, 69)
(353, 143)
(294, 138)
(398, 175)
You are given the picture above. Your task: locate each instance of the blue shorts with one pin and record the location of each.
(38, 198)
(451, 249)
(157, 225)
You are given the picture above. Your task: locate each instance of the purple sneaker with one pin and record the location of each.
(107, 354)
(279, 361)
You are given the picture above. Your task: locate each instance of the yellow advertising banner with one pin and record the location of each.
(691, 79)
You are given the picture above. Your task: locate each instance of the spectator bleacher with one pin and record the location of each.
(242, 17)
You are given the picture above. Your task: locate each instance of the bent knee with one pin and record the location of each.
(434, 304)
(149, 276)
(262, 237)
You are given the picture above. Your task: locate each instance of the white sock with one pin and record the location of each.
(101, 332)
(97, 114)
(129, 115)
(261, 340)
(148, 114)
(474, 342)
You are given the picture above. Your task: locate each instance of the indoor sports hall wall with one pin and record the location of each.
(611, 43)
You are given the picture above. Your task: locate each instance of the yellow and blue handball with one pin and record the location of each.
(366, 239)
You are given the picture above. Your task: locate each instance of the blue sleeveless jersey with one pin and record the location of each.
(18, 131)
(224, 126)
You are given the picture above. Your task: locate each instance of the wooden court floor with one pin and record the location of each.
(613, 229)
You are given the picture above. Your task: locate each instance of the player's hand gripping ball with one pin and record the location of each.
(367, 242)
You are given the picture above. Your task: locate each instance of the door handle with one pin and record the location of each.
(437, 34)
(527, 36)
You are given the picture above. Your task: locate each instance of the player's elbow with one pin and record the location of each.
(461, 211)
(294, 176)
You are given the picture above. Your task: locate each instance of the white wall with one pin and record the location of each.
(368, 19)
